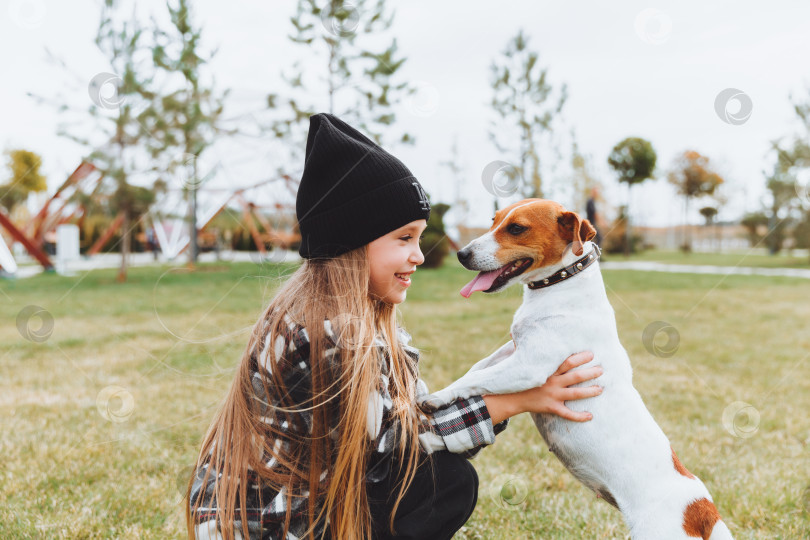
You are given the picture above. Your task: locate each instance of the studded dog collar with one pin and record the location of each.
(572, 269)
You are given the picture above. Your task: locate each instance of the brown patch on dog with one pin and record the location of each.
(699, 518)
(679, 466)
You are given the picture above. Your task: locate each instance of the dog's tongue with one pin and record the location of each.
(481, 282)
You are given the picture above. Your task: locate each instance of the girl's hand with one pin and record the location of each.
(551, 397)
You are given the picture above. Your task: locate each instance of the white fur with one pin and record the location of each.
(622, 449)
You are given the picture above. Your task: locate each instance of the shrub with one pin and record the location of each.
(435, 245)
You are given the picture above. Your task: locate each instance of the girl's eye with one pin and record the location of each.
(408, 237)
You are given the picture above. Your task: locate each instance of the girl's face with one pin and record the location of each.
(393, 257)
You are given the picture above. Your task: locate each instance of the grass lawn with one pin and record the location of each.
(742, 258)
(103, 416)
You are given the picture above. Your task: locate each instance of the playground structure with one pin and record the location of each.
(32, 234)
(271, 236)
(167, 217)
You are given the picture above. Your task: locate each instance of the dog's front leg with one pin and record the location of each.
(500, 355)
(520, 371)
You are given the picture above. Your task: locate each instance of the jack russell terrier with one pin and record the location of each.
(621, 454)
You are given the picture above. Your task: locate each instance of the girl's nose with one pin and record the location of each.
(417, 257)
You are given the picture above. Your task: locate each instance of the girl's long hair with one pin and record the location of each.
(244, 433)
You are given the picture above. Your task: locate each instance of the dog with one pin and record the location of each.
(621, 454)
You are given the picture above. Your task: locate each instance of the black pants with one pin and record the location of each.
(438, 502)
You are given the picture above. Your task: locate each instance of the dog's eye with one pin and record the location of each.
(516, 229)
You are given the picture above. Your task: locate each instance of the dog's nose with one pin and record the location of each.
(464, 255)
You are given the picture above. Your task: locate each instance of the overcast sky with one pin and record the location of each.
(646, 69)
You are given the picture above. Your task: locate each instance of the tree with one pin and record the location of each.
(115, 119)
(183, 122)
(783, 207)
(755, 222)
(582, 179)
(789, 197)
(801, 233)
(522, 99)
(25, 178)
(708, 213)
(633, 159)
(799, 154)
(796, 160)
(434, 240)
(782, 187)
(693, 177)
(456, 167)
(121, 42)
(360, 82)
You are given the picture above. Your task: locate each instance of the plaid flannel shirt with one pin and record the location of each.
(463, 427)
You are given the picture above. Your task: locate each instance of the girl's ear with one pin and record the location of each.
(575, 229)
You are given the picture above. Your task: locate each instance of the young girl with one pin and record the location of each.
(320, 435)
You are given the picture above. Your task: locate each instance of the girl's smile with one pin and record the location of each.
(393, 258)
(404, 278)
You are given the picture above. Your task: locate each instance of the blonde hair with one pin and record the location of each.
(337, 290)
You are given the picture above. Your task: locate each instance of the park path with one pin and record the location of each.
(113, 260)
(649, 266)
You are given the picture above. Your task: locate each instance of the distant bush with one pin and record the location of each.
(616, 240)
(435, 245)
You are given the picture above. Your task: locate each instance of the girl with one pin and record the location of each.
(319, 435)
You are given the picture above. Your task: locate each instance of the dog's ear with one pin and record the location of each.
(575, 229)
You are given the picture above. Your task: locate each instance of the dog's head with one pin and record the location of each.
(525, 237)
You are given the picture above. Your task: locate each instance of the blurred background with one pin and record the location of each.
(689, 118)
(151, 156)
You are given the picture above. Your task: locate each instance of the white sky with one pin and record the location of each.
(619, 84)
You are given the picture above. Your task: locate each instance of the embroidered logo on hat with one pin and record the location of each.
(423, 200)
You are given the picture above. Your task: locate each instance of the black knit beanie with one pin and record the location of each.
(352, 191)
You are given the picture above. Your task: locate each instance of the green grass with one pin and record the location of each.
(742, 258)
(172, 339)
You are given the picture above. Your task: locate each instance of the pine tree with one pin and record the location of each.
(115, 117)
(361, 83)
(183, 120)
(522, 99)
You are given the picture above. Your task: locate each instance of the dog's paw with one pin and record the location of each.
(431, 403)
